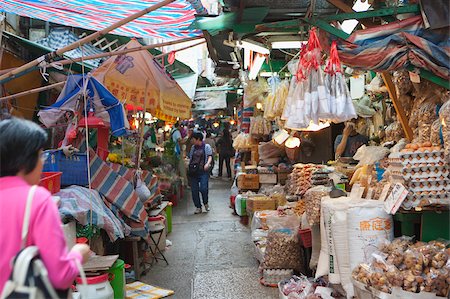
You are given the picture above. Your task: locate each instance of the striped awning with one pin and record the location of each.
(168, 22)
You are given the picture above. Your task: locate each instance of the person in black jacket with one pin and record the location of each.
(225, 148)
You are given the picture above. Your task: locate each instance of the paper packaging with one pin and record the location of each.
(260, 204)
(267, 178)
(395, 199)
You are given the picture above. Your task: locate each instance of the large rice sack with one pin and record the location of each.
(315, 238)
(367, 225)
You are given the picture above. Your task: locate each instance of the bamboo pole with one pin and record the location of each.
(181, 49)
(84, 40)
(126, 51)
(102, 55)
(31, 91)
(142, 125)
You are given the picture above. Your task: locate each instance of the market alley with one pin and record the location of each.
(212, 255)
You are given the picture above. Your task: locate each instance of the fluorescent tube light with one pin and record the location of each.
(253, 46)
(291, 44)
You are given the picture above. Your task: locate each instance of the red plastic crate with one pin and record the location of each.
(305, 237)
(51, 181)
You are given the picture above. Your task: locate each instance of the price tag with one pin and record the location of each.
(395, 199)
(415, 78)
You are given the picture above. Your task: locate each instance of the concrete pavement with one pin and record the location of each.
(212, 255)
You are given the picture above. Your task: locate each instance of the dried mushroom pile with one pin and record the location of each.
(419, 267)
(283, 251)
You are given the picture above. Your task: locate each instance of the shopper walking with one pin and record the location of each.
(212, 143)
(226, 151)
(21, 163)
(200, 159)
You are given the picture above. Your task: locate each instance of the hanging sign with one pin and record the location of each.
(209, 100)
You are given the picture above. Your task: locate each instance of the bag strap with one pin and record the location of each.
(26, 217)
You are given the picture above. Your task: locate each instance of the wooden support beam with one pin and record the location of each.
(382, 12)
(387, 78)
(31, 91)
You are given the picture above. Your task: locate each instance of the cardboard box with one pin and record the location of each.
(248, 182)
(260, 203)
(267, 178)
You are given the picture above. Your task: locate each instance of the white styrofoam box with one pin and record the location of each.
(267, 178)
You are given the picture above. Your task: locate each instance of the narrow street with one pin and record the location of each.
(212, 255)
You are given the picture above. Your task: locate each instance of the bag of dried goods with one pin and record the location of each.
(283, 249)
(435, 137)
(313, 199)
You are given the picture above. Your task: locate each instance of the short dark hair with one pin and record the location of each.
(198, 136)
(20, 142)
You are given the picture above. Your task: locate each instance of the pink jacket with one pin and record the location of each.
(44, 231)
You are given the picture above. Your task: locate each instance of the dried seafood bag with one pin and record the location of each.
(339, 102)
(313, 199)
(281, 94)
(293, 68)
(427, 115)
(435, 136)
(444, 116)
(283, 249)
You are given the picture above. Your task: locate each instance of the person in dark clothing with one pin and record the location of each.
(348, 143)
(226, 151)
(200, 159)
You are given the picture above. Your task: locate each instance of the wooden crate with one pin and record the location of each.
(260, 204)
(248, 182)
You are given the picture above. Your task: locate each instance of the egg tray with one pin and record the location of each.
(429, 186)
(418, 157)
(422, 172)
(406, 164)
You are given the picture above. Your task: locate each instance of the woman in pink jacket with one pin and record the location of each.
(21, 162)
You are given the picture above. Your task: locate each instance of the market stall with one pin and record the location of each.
(365, 220)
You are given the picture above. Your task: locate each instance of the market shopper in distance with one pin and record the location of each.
(21, 163)
(349, 142)
(226, 151)
(200, 159)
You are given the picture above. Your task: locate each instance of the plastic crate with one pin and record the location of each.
(51, 181)
(73, 168)
(305, 237)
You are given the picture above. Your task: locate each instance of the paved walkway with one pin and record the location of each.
(212, 254)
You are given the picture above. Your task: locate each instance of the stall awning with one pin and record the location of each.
(168, 22)
(126, 75)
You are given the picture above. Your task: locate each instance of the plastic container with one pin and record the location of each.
(240, 205)
(118, 282)
(51, 181)
(73, 168)
(305, 237)
(97, 287)
(169, 217)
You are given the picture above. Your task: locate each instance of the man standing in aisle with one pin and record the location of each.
(348, 143)
(200, 159)
(176, 138)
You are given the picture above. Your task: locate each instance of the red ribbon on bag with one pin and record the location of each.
(334, 63)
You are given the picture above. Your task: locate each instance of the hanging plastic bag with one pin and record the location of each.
(337, 89)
